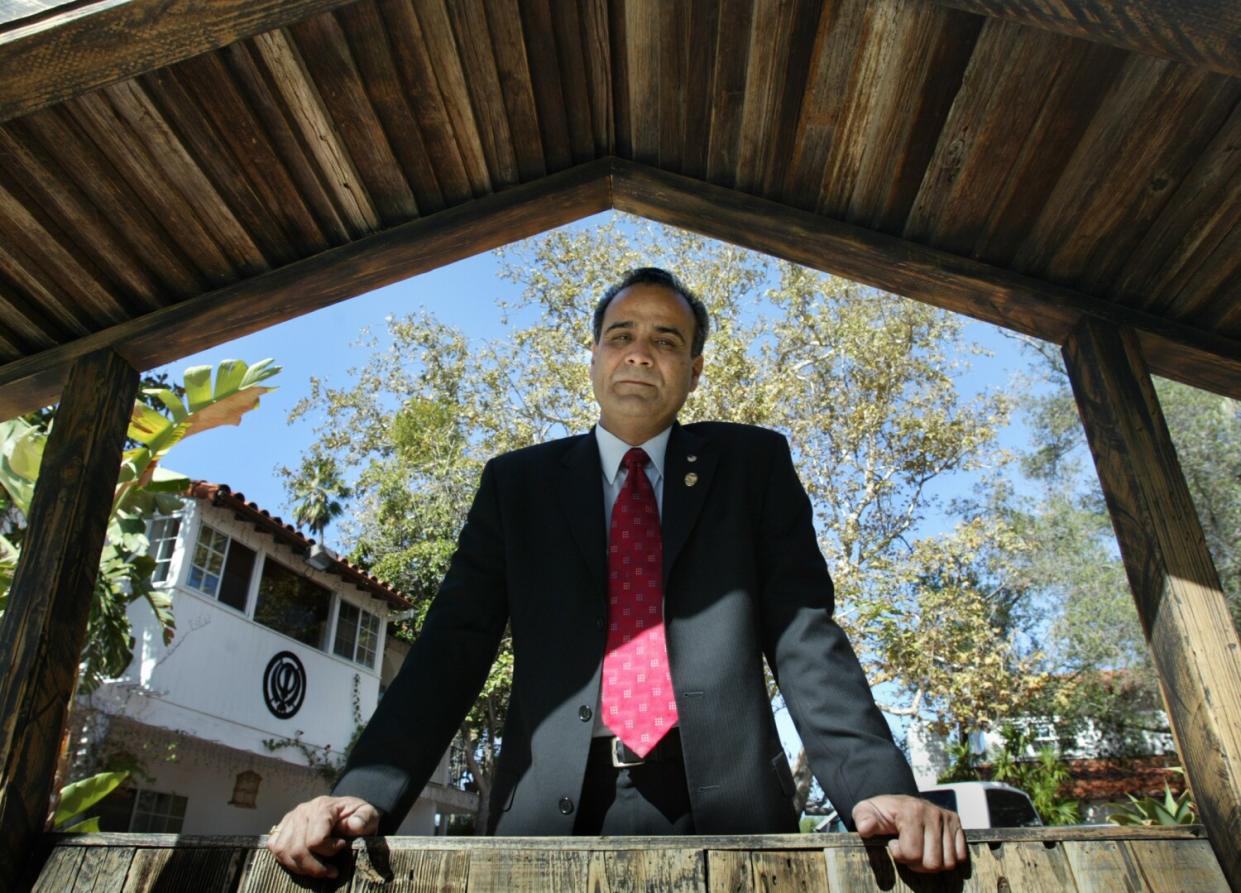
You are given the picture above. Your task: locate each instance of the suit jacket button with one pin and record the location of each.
(584, 713)
(566, 806)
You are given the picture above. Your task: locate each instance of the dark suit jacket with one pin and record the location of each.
(743, 579)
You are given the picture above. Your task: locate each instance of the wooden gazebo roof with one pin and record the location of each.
(176, 174)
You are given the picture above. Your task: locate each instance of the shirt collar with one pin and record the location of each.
(612, 450)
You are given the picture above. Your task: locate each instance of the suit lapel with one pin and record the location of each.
(581, 498)
(686, 482)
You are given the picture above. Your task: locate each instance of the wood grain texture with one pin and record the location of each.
(1179, 867)
(1203, 33)
(60, 870)
(729, 871)
(728, 90)
(554, 872)
(955, 283)
(371, 48)
(1028, 867)
(157, 870)
(597, 54)
(799, 871)
(546, 83)
(578, 74)
(514, 72)
(317, 132)
(1182, 609)
(44, 624)
(637, 871)
(642, 57)
(319, 281)
(1104, 866)
(105, 42)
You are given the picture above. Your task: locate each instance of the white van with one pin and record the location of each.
(980, 804)
(985, 804)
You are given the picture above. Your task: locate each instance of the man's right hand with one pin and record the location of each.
(318, 829)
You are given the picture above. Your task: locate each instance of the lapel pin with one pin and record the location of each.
(691, 479)
(691, 458)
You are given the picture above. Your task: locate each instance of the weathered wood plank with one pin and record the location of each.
(59, 871)
(728, 85)
(104, 42)
(642, 66)
(175, 170)
(471, 37)
(44, 624)
(208, 870)
(196, 114)
(548, 87)
(871, 868)
(1161, 274)
(553, 871)
(1182, 609)
(418, 80)
(1205, 33)
(637, 871)
(509, 49)
(729, 871)
(102, 871)
(597, 52)
(98, 237)
(26, 301)
(794, 870)
(1181, 866)
(1113, 185)
(955, 283)
(319, 281)
(673, 41)
(127, 157)
(704, 25)
(618, 43)
(1028, 867)
(875, 129)
(1104, 866)
(33, 258)
(318, 133)
(574, 75)
(371, 49)
(449, 75)
(325, 53)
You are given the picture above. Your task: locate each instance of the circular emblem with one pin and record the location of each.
(284, 685)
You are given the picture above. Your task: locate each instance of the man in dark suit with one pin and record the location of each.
(646, 570)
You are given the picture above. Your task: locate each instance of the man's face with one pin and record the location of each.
(641, 367)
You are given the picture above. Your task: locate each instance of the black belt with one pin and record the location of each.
(616, 752)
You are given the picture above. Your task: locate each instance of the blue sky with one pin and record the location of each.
(463, 294)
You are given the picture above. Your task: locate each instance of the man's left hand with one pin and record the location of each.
(927, 838)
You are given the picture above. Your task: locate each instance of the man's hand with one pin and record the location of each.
(927, 838)
(320, 827)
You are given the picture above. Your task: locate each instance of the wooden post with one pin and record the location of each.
(1175, 585)
(44, 625)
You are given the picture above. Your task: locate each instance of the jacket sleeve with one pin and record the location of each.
(847, 740)
(443, 673)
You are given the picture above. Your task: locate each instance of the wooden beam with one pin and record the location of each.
(1175, 585)
(88, 46)
(1201, 33)
(318, 281)
(994, 295)
(44, 625)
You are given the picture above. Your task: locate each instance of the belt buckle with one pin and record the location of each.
(617, 762)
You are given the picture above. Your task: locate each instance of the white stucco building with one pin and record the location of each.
(281, 652)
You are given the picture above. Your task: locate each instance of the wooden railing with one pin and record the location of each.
(1081, 859)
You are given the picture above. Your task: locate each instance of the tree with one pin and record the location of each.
(860, 381)
(144, 488)
(316, 489)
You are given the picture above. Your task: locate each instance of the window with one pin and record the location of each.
(246, 789)
(1011, 809)
(163, 542)
(293, 605)
(221, 568)
(357, 635)
(129, 809)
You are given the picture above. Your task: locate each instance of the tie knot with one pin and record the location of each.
(636, 459)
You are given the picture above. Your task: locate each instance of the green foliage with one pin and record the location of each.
(1044, 777)
(144, 488)
(317, 489)
(76, 798)
(1151, 811)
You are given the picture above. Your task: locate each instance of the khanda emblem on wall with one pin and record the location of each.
(284, 685)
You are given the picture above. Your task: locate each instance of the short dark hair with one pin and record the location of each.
(656, 276)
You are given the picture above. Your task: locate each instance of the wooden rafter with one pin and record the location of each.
(318, 281)
(992, 294)
(1202, 33)
(86, 47)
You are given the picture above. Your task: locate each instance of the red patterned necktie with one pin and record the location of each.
(637, 698)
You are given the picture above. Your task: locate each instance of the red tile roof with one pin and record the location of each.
(223, 496)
